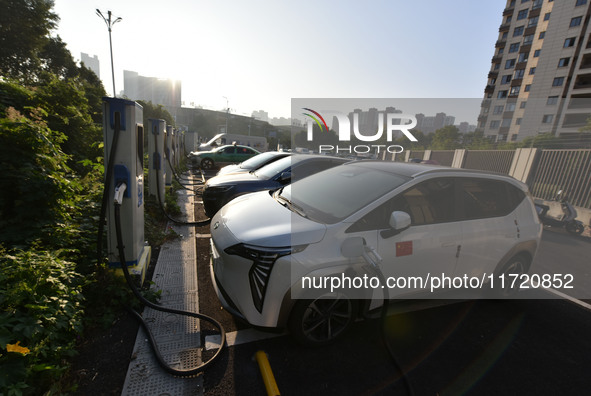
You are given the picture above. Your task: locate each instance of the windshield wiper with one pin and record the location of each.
(288, 204)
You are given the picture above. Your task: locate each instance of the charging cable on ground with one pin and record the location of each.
(372, 257)
(119, 191)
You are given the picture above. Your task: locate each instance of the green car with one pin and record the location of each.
(224, 155)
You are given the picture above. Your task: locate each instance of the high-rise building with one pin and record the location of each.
(155, 90)
(91, 63)
(540, 77)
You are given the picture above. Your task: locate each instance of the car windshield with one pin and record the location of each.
(257, 160)
(274, 168)
(335, 194)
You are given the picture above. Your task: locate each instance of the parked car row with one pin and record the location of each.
(319, 217)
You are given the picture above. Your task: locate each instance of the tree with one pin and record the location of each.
(446, 138)
(24, 32)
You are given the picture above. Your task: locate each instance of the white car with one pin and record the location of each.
(277, 256)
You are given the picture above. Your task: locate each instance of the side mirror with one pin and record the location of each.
(285, 177)
(399, 221)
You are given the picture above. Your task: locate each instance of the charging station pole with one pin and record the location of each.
(156, 149)
(168, 154)
(124, 118)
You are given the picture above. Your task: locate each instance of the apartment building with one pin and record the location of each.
(540, 76)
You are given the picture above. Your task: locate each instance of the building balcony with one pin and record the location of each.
(525, 47)
(504, 28)
(534, 12)
(489, 89)
(500, 43)
(508, 11)
(516, 82)
(530, 30)
(497, 58)
(493, 74)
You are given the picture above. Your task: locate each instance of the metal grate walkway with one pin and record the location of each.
(178, 337)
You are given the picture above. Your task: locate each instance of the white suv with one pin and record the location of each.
(300, 256)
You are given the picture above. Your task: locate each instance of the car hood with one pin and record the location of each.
(258, 219)
(231, 169)
(232, 178)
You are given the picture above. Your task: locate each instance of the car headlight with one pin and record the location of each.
(263, 259)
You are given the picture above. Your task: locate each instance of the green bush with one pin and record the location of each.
(41, 311)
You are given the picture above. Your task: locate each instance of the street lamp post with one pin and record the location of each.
(110, 24)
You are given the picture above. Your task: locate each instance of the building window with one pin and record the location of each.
(502, 95)
(542, 35)
(514, 138)
(506, 79)
(518, 31)
(522, 14)
(569, 42)
(495, 124)
(532, 70)
(498, 109)
(515, 90)
(558, 81)
(523, 104)
(504, 35)
(547, 118)
(514, 47)
(497, 66)
(510, 107)
(563, 62)
(510, 63)
(523, 57)
(537, 4)
(532, 22)
(547, 16)
(509, 19)
(581, 2)
(517, 122)
(527, 87)
(576, 21)
(519, 73)
(501, 51)
(537, 53)
(493, 81)
(506, 123)
(552, 100)
(528, 39)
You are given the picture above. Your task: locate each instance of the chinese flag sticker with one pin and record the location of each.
(403, 248)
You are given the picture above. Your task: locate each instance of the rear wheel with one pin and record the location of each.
(207, 163)
(575, 228)
(321, 321)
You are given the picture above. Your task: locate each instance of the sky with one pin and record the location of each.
(259, 54)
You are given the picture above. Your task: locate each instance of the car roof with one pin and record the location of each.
(412, 169)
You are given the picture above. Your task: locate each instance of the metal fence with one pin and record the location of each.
(443, 157)
(566, 170)
(489, 160)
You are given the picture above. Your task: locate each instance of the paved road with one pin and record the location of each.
(530, 346)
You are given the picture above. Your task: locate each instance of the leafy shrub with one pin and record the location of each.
(40, 311)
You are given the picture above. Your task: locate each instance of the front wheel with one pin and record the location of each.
(321, 321)
(575, 228)
(516, 267)
(207, 163)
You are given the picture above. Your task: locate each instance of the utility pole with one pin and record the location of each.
(227, 111)
(110, 24)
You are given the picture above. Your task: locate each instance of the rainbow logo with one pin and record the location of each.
(316, 119)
